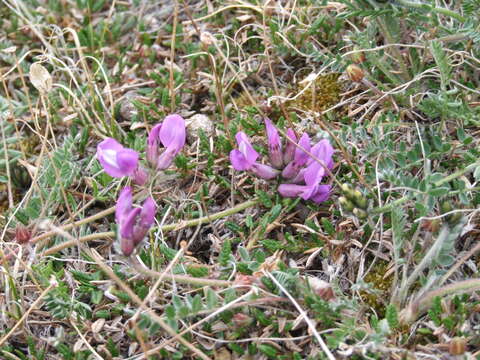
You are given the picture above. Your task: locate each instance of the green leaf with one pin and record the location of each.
(391, 314)
(97, 296)
(268, 350)
(225, 253)
(476, 173)
(442, 62)
(211, 298)
(440, 191)
(328, 226)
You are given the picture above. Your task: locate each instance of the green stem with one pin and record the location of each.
(389, 207)
(457, 174)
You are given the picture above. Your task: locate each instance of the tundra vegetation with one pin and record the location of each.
(229, 179)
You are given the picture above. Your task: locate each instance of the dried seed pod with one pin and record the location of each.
(22, 234)
(355, 73)
(457, 346)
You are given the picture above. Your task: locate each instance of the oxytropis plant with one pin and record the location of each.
(133, 223)
(300, 166)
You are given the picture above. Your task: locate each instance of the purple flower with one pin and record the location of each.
(171, 134)
(152, 145)
(323, 151)
(274, 145)
(312, 190)
(317, 193)
(305, 165)
(300, 158)
(133, 223)
(245, 158)
(312, 175)
(117, 161)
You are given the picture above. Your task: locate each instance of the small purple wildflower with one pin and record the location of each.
(245, 158)
(300, 158)
(116, 160)
(303, 166)
(171, 134)
(133, 223)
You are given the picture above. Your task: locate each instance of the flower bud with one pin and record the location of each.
(359, 200)
(345, 188)
(355, 73)
(23, 234)
(457, 346)
(348, 192)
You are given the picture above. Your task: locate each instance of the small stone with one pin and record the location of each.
(128, 111)
(197, 123)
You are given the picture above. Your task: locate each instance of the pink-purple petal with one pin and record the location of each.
(238, 160)
(301, 157)
(140, 176)
(147, 216)
(127, 246)
(127, 160)
(321, 194)
(153, 144)
(173, 133)
(290, 190)
(124, 204)
(274, 144)
(313, 173)
(265, 171)
(166, 158)
(116, 160)
(128, 222)
(323, 150)
(290, 146)
(246, 148)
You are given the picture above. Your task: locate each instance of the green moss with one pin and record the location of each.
(320, 95)
(380, 288)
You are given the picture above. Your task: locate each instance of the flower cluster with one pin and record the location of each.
(300, 165)
(118, 161)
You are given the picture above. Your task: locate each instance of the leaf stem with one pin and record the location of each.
(438, 10)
